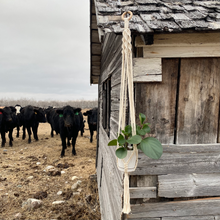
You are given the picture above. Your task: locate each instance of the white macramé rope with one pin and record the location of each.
(127, 83)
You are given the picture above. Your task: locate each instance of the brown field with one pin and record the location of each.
(22, 178)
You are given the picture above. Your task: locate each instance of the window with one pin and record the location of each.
(106, 105)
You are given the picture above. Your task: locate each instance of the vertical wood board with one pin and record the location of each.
(158, 102)
(198, 107)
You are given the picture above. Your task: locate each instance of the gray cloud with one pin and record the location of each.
(44, 50)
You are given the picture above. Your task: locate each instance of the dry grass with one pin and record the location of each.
(19, 162)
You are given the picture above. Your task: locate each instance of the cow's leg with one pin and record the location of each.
(18, 129)
(3, 138)
(91, 135)
(82, 131)
(74, 142)
(24, 133)
(34, 129)
(29, 134)
(63, 139)
(51, 133)
(68, 141)
(10, 137)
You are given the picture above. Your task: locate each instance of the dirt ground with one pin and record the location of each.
(24, 175)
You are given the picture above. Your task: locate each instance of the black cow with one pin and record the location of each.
(69, 122)
(53, 119)
(8, 121)
(31, 117)
(92, 121)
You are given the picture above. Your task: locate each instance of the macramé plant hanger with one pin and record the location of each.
(129, 163)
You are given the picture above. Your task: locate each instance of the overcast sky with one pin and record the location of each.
(44, 50)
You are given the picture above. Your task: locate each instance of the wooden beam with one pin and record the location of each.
(95, 36)
(191, 218)
(182, 51)
(180, 159)
(188, 185)
(183, 39)
(202, 207)
(147, 70)
(96, 49)
(95, 79)
(143, 192)
(94, 22)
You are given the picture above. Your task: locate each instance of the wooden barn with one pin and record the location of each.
(176, 64)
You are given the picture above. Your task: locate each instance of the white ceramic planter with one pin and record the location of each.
(131, 164)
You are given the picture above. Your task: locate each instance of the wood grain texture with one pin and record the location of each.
(158, 102)
(147, 70)
(111, 56)
(200, 207)
(181, 52)
(198, 107)
(143, 192)
(181, 159)
(183, 39)
(191, 218)
(111, 189)
(188, 185)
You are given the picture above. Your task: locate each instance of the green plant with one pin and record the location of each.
(149, 145)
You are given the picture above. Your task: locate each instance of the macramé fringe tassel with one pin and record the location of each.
(127, 207)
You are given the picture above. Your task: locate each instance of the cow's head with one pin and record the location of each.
(7, 113)
(92, 116)
(68, 114)
(40, 114)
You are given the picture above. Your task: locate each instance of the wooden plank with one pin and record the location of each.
(147, 70)
(95, 36)
(188, 185)
(202, 207)
(183, 39)
(96, 49)
(158, 102)
(143, 192)
(181, 52)
(95, 79)
(198, 106)
(96, 70)
(112, 180)
(180, 159)
(190, 218)
(94, 22)
(142, 218)
(147, 181)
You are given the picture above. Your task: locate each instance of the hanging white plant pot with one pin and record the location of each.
(131, 159)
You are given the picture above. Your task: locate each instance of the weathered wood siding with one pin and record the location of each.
(158, 102)
(183, 112)
(184, 107)
(110, 179)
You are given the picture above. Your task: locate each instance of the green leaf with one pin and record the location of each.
(139, 130)
(121, 152)
(128, 129)
(112, 142)
(121, 139)
(142, 117)
(136, 139)
(146, 128)
(151, 147)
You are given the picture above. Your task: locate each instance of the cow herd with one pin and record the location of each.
(67, 121)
